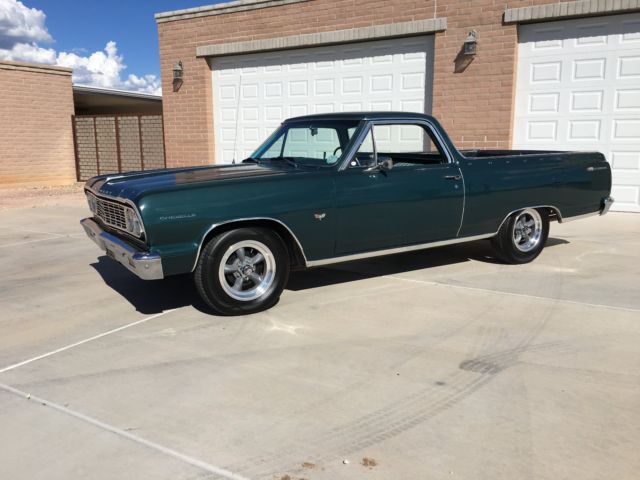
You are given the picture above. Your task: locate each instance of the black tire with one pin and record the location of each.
(513, 244)
(256, 296)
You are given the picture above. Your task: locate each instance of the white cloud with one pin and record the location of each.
(147, 84)
(29, 52)
(21, 29)
(21, 24)
(100, 68)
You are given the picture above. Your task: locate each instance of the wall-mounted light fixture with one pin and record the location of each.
(178, 72)
(471, 43)
(467, 52)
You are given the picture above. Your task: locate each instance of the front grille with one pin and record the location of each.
(111, 213)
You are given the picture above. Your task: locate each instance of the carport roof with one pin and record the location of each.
(97, 100)
(115, 92)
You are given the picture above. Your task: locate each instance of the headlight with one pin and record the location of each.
(93, 203)
(134, 226)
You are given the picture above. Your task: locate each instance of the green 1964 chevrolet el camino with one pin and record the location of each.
(331, 188)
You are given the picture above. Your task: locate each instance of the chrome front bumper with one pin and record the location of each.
(606, 205)
(147, 266)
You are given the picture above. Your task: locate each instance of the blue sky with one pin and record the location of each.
(68, 32)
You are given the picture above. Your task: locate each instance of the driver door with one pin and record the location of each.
(419, 200)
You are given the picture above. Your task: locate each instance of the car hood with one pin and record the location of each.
(131, 186)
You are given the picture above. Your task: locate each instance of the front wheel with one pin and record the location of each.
(522, 236)
(242, 271)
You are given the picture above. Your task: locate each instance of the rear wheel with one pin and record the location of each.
(242, 271)
(522, 236)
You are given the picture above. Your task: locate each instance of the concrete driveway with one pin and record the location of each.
(440, 364)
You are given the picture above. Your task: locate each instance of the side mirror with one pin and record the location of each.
(384, 164)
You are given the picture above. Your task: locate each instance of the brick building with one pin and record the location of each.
(55, 133)
(36, 141)
(546, 75)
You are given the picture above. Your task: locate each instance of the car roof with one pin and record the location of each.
(362, 116)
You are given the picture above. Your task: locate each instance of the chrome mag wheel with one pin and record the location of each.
(527, 230)
(247, 270)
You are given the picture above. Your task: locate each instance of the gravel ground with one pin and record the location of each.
(32, 197)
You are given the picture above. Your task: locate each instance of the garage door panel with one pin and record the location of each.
(629, 67)
(574, 102)
(578, 88)
(626, 197)
(626, 160)
(581, 35)
(268, 88)
(586, 101)
(627, 100)
(588, 69)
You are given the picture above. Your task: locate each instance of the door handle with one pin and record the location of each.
(452, 177)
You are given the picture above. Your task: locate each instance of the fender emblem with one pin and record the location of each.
(177, 217)
(319, 216)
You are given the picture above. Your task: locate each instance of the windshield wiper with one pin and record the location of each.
(288, 160)
(250, 160)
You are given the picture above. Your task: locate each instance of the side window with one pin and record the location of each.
(399, 138)
(406, 144)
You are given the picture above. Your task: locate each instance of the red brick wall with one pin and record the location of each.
(475, 105)
(36, 140)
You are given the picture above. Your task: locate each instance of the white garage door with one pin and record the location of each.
(254, 93)
(578, 88)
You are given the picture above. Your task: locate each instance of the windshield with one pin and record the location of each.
(319, 143)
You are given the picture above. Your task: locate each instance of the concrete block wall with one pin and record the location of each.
(475, 105)
(130, 156)
(36, 139)
(152, 141)
(112, 144)
(86, 147)
(107, 143)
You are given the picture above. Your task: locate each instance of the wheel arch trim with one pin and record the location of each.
(555, 209)
(246, 220)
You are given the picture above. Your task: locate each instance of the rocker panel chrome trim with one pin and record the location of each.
(391, 251)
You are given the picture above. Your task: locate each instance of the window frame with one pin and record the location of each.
(431, 129)
(355, 139)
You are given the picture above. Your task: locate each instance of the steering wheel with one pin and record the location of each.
(336, 150)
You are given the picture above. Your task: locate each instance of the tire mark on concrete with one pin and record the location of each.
(404, 414)
(411, 352)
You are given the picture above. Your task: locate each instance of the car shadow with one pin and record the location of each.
(157, 296)
(389, 265)
(399, 263)
(149, 296)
